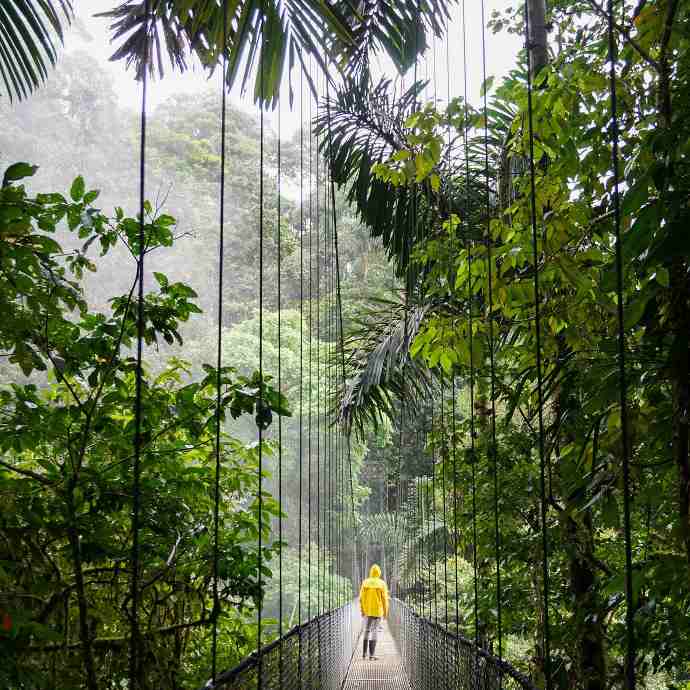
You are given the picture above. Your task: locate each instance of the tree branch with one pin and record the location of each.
(108, 643)
(625, 32)
(28, 473)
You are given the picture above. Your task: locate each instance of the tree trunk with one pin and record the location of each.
(588, 616)
(680, 303)
(84, 632)
(680, 372)
(589, 640)
(538, 46)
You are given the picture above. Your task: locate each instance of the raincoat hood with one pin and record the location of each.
(375, 571)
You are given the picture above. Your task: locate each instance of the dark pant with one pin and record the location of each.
(371, 630)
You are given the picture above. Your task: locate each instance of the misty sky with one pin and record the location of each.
(91, 34)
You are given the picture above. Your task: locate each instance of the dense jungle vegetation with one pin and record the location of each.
(470, 308)
(435, 222)
(69, 284)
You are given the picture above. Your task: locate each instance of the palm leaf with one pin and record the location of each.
(28, 29)
(340, 34)
(360, 126)
(377, 354)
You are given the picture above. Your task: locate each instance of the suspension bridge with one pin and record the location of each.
(412, 653)
(423, 645)
(416, 511)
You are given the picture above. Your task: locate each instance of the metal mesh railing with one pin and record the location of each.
(436, 659)
(315, 654)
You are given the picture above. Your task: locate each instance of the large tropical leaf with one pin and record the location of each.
(399, 28)
(28, 33)
(338, 36)
(364, 124)
(360, 126)
(380, 367)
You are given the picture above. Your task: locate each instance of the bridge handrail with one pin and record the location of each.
(501, 664)
(251, 662)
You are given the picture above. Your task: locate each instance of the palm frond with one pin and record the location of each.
(377, 352)
(360, 126)
(28, 29)
(399, 28)
(337, 35)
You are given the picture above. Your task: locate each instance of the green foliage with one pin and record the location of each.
(309, 585)
(67, 449)
(276, 36)
(27, 42)
(472, 233)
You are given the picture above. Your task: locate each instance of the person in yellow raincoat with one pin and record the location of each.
(373, 603)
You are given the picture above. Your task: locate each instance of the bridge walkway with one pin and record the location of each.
(387, 673)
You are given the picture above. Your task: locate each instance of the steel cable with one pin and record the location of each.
(219, 354)
(259, 677)
(615, 170)
(280, 417)
(470, 299)
(538, 357)
(301, 368)
(135, 641)
(493, 451)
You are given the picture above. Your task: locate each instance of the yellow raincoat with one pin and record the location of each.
(373, 595)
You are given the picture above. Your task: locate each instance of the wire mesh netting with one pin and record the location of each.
(316, 654)
(438, 659)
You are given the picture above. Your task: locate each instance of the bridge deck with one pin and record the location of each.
(386, 673)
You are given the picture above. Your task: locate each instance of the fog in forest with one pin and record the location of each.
(85, 121)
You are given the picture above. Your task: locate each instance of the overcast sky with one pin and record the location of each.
(91, 34)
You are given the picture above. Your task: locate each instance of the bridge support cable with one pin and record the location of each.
(219, 353)
(432, 508)
(300, 444)
(135, 636)
(260, 528)
(444, 494)
(493, 446)
(546, 636)
(310, 330)
(467, 229)
(630, 675)
(317, 336)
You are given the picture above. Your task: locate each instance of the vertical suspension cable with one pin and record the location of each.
(280, 418)
(454, 460)
(467, 223)
(259, 675)
(455, 511)
(327, 426)
(134, 641)
(538, 355)
(342, 330)
(623, 384)
(319, 555)
(494, 449)
(311, 341)
(327, 431)
(396, 526)
(427, 508)
(445, 516)
(422, 545)
(334, 439)
(219, 352)
(432, 508)
(301, 370)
